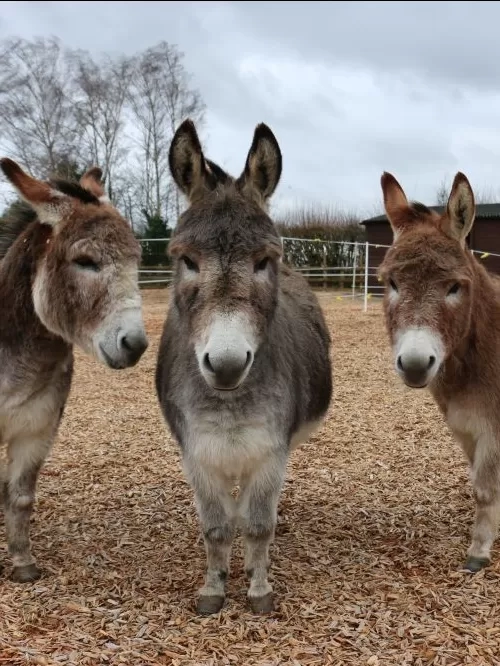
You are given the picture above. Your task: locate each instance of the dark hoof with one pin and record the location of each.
(209, 605)
(475, 564)
(263, 604)
(26, 574)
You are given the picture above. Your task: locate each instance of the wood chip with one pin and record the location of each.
(374, 524)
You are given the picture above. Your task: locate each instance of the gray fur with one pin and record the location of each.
(246, 435)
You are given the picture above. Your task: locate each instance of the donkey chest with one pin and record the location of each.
(468, 425)
(233, 447)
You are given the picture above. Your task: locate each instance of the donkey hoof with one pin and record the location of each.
(260, 605)
(475, 564)
(208, 605)
(25, 574)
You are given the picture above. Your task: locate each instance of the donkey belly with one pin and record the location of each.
(230, 450)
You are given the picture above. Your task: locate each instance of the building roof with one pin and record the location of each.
(483, 211)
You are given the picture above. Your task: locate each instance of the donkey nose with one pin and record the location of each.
(415, 367)
(227, 368)
(132, 345)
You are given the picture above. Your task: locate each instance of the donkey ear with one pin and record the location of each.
(49, 204)
(395, 201)
(461, 208)
(263, 165)
(186, 161)
(92, 181)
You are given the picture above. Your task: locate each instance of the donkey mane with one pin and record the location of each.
(17, 220)
(419, 209)
(21, 215)
(221, 177)
(74, 190)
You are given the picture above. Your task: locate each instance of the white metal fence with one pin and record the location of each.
(353, 275)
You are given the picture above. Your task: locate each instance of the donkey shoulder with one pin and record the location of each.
(305, 347)
(300, 303)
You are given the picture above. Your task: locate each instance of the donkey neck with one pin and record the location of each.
(474, 362)
(20, 326)
(484, 331)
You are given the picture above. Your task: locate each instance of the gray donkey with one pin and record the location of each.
(243, 372)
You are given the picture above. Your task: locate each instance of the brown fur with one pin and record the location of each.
(433, 281)
(68, 275)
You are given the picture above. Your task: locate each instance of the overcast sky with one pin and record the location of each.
(349, 88)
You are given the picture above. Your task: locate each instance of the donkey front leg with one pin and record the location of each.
(258, 510)
(216, 510)
(26, 454)
(485, 478)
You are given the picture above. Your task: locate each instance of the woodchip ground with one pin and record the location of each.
(373, 528)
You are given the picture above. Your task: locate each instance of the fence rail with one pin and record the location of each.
(350, 273)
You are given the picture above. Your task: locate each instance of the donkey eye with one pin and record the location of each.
(261, 265)
(190, 264)
(86, 263)
(393, 285)
(455, 289)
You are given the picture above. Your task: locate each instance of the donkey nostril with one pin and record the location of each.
(400, 364)
(249, 358)
(432, 360)
(207, 364)
(126, 343)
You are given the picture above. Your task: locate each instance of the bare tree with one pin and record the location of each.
(7, 76)
(102, 90)
(61, 110)
(36, 108)
(161, 97)
(127, 196)
(442, 194)
(484, 196)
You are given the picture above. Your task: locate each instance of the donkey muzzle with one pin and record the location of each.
(122, 343)
(226, 370)
(228, 353)
(132, 345)
(415, 369)
(418, 356)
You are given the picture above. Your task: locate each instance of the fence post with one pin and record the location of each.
(354, 269)
(325, 264)
(366, 276)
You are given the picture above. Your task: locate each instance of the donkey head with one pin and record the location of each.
(226, 252)
(85, 287)
(428, 278)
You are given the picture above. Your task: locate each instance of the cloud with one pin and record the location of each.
(349, 88)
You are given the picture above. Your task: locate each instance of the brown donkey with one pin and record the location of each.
(442, 311)
(68, 276)
(243, 371)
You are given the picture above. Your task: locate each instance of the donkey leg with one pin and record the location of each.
(26, 454)
(485, 477)
(258, 509)
(216, 510)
